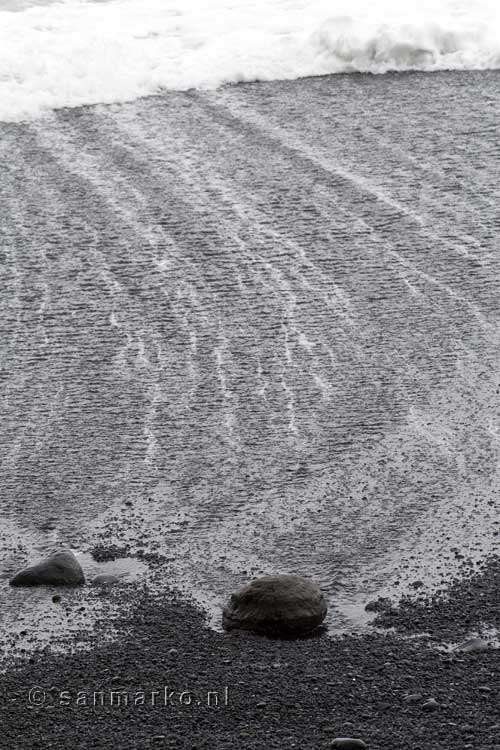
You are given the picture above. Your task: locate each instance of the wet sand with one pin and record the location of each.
(255, 330)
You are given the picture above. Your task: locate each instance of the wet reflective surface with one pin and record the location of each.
(265, 317)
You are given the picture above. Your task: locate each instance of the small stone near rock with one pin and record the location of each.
(417, 584)
(348, 743)
(430, 705)
(172, 651)
(56, 598)
(60, 569)
(105, 579)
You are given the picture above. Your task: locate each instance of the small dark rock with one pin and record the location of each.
(430, 705)
(56, 598)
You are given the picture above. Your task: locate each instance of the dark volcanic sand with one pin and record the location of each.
(299, 693)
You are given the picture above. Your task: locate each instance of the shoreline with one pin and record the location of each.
(302, 693)
(256, 331)
(319, 387)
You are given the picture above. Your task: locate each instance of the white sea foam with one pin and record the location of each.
(75, 52)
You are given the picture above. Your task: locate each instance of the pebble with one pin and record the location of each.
(348, 743)
(413, 698)
(430, 705)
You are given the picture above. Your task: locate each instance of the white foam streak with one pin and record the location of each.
(74, 53)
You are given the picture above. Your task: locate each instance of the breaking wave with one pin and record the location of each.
(72, 53)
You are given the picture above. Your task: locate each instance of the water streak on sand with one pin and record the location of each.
(244, 337)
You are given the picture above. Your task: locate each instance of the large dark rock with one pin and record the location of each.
(276, 605)
(60, 569)
(348, 743)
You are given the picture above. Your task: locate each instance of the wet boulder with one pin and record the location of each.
(60, 569)
(286, 605)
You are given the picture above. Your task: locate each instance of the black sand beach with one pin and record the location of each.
(270, 693)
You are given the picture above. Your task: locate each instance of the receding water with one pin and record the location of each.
(267, 319)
